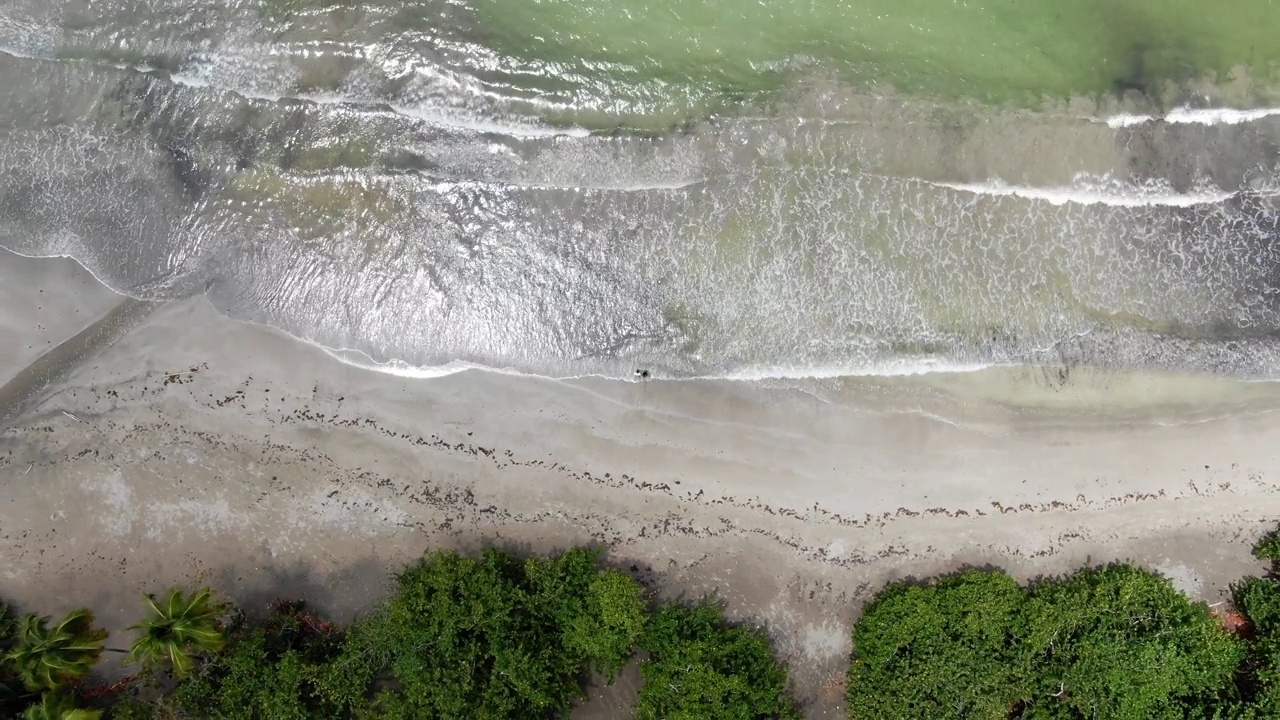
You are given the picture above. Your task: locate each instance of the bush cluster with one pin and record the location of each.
(490, 637)
(1113, 642)
(499, 636)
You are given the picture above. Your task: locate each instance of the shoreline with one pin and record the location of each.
(196, 448)
(119, 312)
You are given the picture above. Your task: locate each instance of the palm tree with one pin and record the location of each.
(178, 628)
(46, 658)
(59, 706)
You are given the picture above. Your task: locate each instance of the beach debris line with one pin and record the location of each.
(184, 376)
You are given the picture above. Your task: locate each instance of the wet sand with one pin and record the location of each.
(46, 301)
(183, 447)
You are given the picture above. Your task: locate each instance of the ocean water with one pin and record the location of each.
(701, 189)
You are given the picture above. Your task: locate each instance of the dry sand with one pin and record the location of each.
(172, 445)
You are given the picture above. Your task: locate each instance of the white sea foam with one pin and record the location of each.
(64, 255)
(905, 367)
(447, 186)
(1124, 121)
(196, 79)
(902, 367)
(30, 38)
(461, 121)
(435, 116)
(204, 70)
(889, 368)
(1094, 191)
(200, 72)
(1197, 116)
(399, 368)
(23, 54)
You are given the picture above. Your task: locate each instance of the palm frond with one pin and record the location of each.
(178, 627)
(59, 706)
(47, 657)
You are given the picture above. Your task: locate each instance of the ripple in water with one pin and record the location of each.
(362, 181)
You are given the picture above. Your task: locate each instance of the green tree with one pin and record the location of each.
(48, 657)
(1114, 642)
(178, 628)
(59, 705)
(130, 706)
(14, 696)
(496, 637)
(600, 613)
(701, 668)
(1120, 642)
(937, 651)
(1258, 599)
(1268, 547)
(606, 627)
(290, 668)
(248, 683)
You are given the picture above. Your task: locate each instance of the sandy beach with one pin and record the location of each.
(147, 445)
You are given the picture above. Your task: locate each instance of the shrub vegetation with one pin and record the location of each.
(698, 666)
(494, 636)
(1111, 642)
(499, 636)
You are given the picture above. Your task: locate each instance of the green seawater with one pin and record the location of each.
(676, 58)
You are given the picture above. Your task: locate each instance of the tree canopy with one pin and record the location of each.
(59, 705)
(1115, 642)
(701, 668)
(943, 650)
(49, 657)
(179, 627)
(1258, 600)
(493, 636)
(281, 668)
(496, 636)
(14, 695)
(1120, 642)
(501, 636)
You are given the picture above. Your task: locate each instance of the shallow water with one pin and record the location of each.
(851, 189)
(653, 63)
(633, 56)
